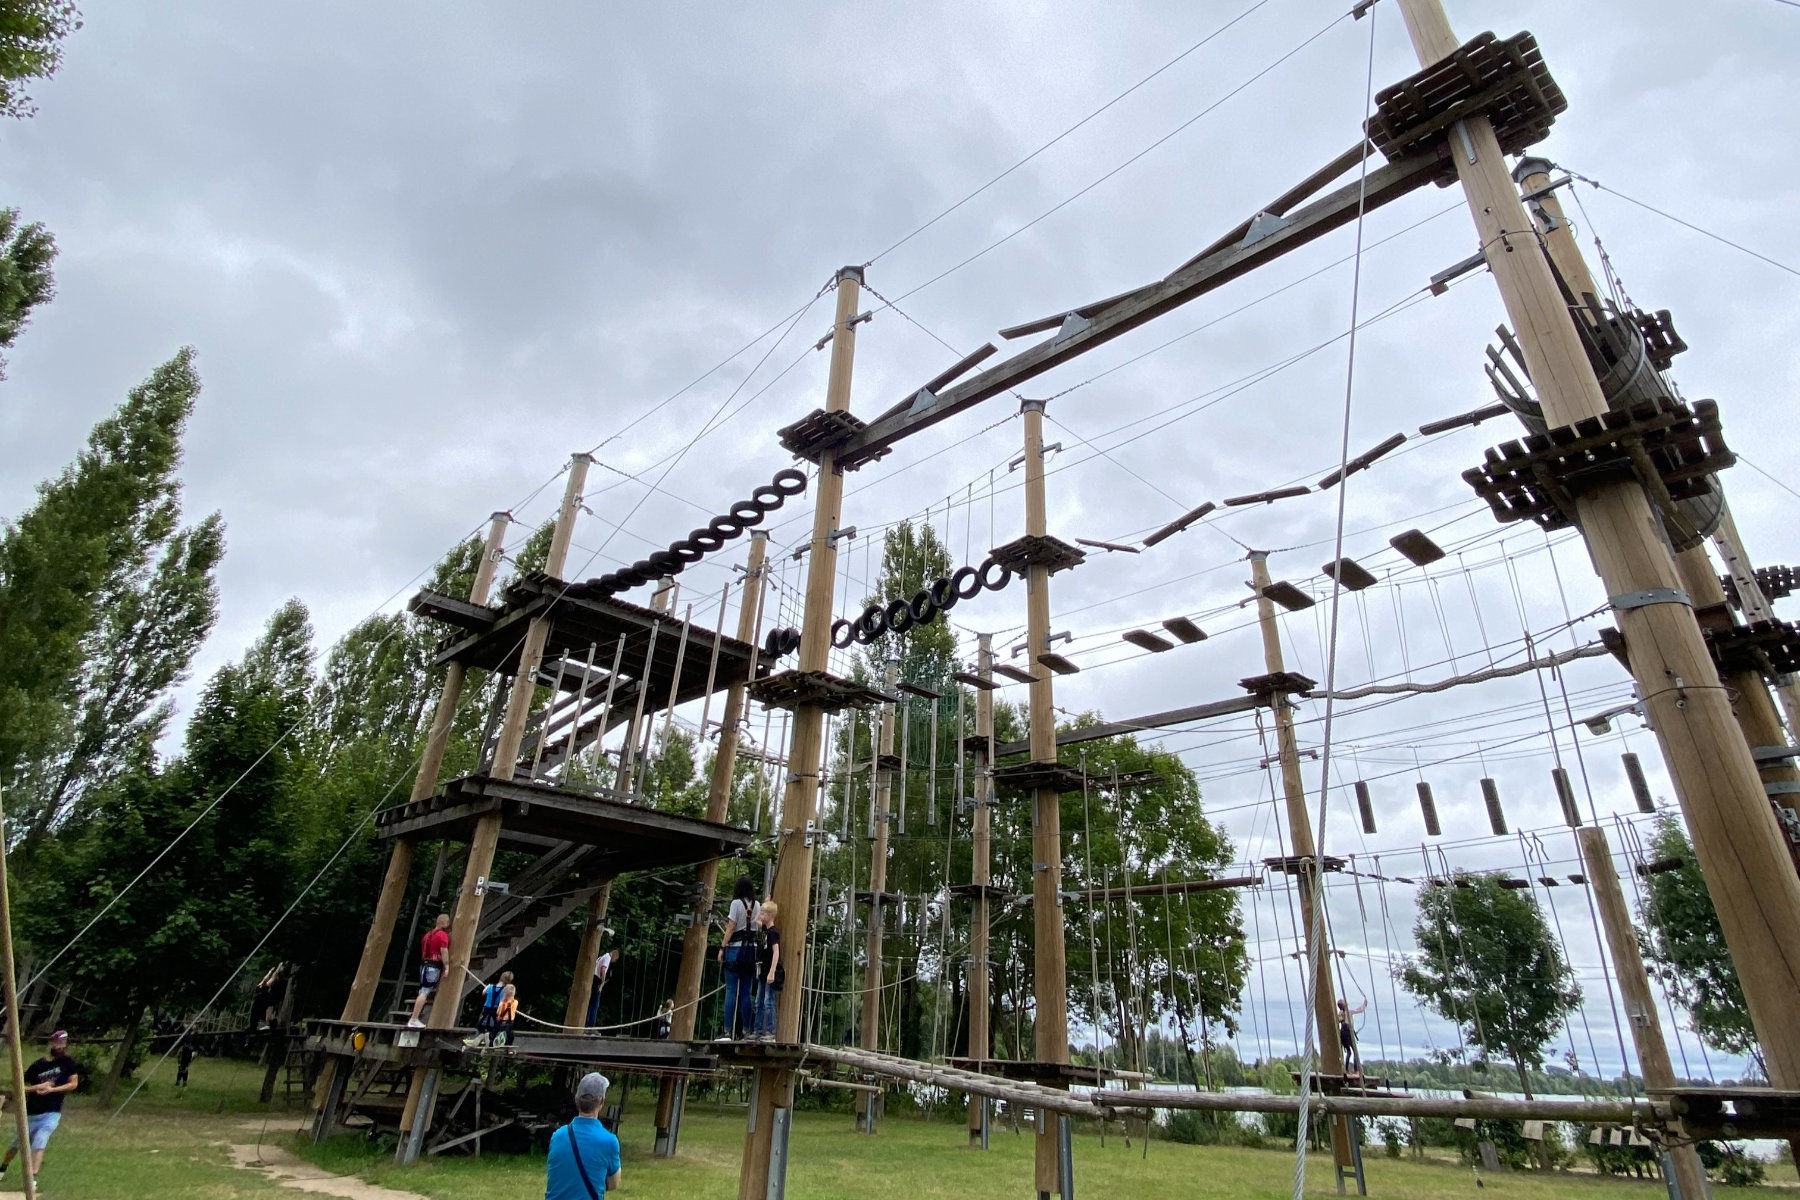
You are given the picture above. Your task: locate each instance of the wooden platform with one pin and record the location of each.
(581, 617)
(625, 836)
(1048, 1073)
(1505, 80)
(791, 689)
(398, 1044)
(1030, 776)
(1736, 1112)
(1036, 550)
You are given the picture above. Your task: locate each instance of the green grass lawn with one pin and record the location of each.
(169, 1146)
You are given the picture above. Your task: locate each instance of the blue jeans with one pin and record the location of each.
(768, 998)
(740, 991)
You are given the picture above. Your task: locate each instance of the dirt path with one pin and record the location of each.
(278, 1166)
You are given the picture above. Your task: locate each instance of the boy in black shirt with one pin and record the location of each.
(770, 973)
(47, 1081)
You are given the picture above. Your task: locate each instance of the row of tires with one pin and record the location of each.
(745, 514)
(938, 596)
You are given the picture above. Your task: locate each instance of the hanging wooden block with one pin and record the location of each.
(1596, 1136)
(1419, 549)
(1143, 639)
(1288, 596)
(1640, 787)
(1365, 807)
(1465, 1122)
(1566, 795)
(1350, 573)
(1490, 792)
(1013, 673)
(1533, 1131)
(1058, 663)
(1429, 807)
(1185, 629)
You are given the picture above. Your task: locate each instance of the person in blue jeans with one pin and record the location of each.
(584, 1155)
(771, 972)
(738, 955)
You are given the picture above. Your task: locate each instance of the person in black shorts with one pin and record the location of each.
(771, 972)
(47, 1081)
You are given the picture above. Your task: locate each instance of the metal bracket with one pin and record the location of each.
(810, 833)
(1781, 789)
(1773, 753)
(1072, 324)
(1625, 601)
(921, 401)
(1263, 225)
(836, 534)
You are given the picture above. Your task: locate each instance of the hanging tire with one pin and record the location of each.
(899, 616)
(686, 551)
(747, 514)
(966, 582)
(644, 569)
(789, 482)
(624, 579)
(790, 641)
(921, 609)
(991, 582)
(842, 634)
(664, 563)
(872, 625)
(768, 497)
(706, 539)
(943, 594)
(725, 528)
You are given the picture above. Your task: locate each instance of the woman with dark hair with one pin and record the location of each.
(738, 954)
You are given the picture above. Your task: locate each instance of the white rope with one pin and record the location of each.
(525, 1016)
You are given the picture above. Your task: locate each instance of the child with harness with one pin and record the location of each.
(487, 1024)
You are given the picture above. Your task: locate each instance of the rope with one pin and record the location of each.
(1591, 650)
(523, 1015)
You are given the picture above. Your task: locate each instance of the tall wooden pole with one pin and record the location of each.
(1050, 975)
(14, 1039)
(1740, 850)
(1634, 988)
(1756, 606)
(980, 874)
(766, 1139)
(718, 805)
(1302, 847)
(587, 953)
(466, 918)
(868, 1104)
(400, 857)
(1751, 705)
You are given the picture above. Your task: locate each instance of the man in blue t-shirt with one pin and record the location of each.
(584, 1154)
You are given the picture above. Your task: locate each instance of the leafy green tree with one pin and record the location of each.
(26, 281)
(1686, 949)
(90, 533)
(31, 37)
(1488, 961)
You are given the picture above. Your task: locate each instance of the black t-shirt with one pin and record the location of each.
(765, 957)
(58, 1070)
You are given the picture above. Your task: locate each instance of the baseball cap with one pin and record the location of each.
(61, 1035)
(593, 1086)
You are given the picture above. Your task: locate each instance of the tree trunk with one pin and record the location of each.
(127, 1044)
(1543, 1146)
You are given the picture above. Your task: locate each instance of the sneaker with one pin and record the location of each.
(415, 1023)
(723, 1037)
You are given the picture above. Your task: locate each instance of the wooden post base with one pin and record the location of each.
(670, 1102)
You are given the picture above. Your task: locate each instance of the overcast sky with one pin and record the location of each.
(426, 251)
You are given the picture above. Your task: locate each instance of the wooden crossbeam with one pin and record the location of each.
(1111, 318)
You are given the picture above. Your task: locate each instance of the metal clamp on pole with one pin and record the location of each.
(1629, 600)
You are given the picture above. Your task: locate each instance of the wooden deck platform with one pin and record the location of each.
(625, 836)
(388, 1043)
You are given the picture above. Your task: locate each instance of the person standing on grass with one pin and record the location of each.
(434, 950)
(184, 1058)
(771, 974)
(47, 1081)
(738, 955)
(583, 1163)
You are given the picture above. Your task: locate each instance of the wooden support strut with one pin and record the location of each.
(400, 858)
(466, 920)
(981, 875)
(1634, 987)
(1740, 849)
(1050, 984)
(763, 1174)
(1303, 849)
(868, 1104)
(694, 943)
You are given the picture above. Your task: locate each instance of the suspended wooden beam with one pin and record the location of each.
(1175, 716)
(1473, 417)
(1268, 497)
(1362, 462)
(1057, 663)
(1013, 673)
(1490, 795)
(1350, 573)
(1288, 596)
(1110, 318)
(1180, 523)
(975, 681)
(1428, 809)
(1185, 629)
(1143, 639)
(1098, 545)
(1418, 548)
(1365, 807)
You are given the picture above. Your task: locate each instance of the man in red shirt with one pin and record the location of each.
(434, 948)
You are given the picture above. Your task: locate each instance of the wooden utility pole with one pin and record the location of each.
(1305, 855)
(1640, 1005)
(400, 857)
(765, 1145)
(466, 918)
(15, 1041)
(694, 943)
(587, 953)
(1740, 850)
(1757, 719)
(980, 874)
(868, 1104)
(1756, 605)
(1050, 976)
